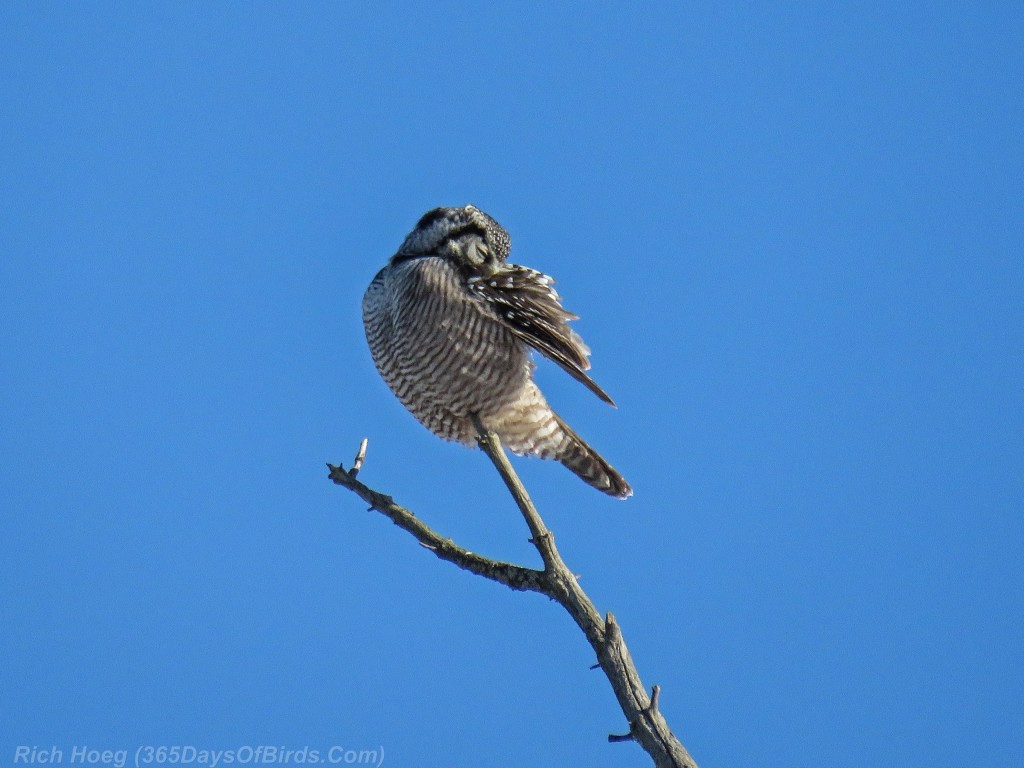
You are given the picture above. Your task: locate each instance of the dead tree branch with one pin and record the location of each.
(647, 726)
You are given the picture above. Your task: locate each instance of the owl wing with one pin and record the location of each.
(524, 300)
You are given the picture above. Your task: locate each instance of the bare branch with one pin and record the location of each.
(509, 574)
(541, 537)
(646, 724)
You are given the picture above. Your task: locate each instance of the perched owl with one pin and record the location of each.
(451, 323)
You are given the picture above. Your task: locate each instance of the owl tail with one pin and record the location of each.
(589, 465)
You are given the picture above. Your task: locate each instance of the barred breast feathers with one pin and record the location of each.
(450, 324)
(442, 353)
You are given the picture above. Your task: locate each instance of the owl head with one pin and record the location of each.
(466, 236)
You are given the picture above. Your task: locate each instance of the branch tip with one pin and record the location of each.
(615, 738)
(652, 708)
(333, 473)
(357, 463)
(610, 625)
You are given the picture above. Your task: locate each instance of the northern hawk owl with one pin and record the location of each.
(450, 324)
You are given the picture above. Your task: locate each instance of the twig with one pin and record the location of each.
(646, 724)
(357, 464)
(614, 738)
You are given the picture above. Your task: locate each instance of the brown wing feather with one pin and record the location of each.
(524, 300)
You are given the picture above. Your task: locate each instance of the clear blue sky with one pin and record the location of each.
(793, 233)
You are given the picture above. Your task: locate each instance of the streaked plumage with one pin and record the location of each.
(450, 324)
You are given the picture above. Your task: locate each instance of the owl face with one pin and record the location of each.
(467, 237)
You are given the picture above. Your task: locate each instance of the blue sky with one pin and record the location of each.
(793, 234)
